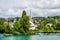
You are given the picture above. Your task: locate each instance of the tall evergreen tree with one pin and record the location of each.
(24, 13)
(25, 24)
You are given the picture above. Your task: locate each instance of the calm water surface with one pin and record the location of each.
(51, 36)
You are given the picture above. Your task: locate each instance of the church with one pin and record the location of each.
(32, 25)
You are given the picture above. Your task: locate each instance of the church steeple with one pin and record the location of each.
(32, 26)
(30, 16)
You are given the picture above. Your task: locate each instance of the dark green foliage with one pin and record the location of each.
(57, 27)
(16, 33)
(2, 20)
(48, 29)
(24, 13)
(17, 18)
(17, 26)
(23, 24)
(10, 19)
(6, 27)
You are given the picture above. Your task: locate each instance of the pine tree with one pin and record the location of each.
(24, 13)
(25, 24)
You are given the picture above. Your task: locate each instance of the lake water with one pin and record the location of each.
(51, 36)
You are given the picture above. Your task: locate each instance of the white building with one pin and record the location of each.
(32, 26)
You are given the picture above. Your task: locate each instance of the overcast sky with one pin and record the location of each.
(13, 8)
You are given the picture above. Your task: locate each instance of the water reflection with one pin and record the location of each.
(51, 36)
(17, 38)
(1, 35)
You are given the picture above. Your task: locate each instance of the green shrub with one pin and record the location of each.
(16, 33)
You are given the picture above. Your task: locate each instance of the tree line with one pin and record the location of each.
(22, 25)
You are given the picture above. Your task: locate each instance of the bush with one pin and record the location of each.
(16, 33)
(5, 34)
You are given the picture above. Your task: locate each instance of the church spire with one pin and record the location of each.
(30, 16)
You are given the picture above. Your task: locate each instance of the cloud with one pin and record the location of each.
(49, 4)
(13, 8)
(45, 4)
(10, 13)
(45, 12)
(35, 12)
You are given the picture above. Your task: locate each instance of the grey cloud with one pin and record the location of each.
(12, 8)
